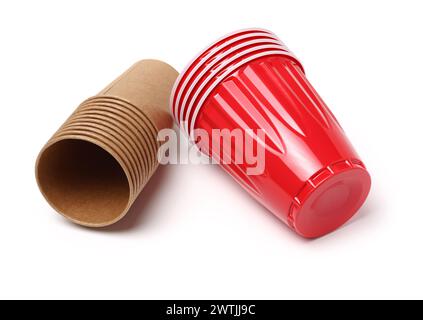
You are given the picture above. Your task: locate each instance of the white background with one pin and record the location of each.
(194, 233)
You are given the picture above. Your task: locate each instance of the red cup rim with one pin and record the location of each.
(196, 95)
(229, 64)
(218, 79)
(210, 47)
(216, 53)
(215, 46)
(221, 67)
(194, 81)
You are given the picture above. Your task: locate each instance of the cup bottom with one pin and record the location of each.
(330, 200)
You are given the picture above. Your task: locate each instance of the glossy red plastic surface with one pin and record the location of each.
(313, 178)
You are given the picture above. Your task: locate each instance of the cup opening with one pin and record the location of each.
(83, 182)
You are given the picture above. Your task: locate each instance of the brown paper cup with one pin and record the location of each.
(96, 164)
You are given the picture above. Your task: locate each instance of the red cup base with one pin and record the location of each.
(329, 199)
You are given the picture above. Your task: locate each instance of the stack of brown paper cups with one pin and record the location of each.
(95, 166)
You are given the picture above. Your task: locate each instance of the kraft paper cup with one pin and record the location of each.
(97, 163)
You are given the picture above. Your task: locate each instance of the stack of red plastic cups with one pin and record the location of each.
(312, 178)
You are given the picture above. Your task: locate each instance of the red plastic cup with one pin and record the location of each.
(313, 178)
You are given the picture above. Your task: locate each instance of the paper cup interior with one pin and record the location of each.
(83, 181)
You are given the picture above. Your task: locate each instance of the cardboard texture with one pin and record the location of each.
(96, 164)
